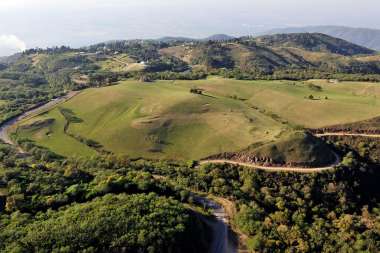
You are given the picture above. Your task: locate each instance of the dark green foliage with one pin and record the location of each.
(168, 75)
(134, 223)
(167, 64)
(40, 210)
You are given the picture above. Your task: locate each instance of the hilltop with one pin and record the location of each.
(314, 42)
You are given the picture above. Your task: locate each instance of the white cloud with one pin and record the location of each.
(10, 44)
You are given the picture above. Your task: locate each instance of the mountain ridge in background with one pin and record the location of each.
(214, 37)
(366, 37)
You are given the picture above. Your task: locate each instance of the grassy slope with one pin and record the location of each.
(347, 102)
(136, 119)
(53, 137)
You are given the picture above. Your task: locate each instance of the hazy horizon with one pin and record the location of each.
(41, 23)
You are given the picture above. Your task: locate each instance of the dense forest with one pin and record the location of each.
(91, 205)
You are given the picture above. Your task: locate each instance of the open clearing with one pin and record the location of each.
(164, 120)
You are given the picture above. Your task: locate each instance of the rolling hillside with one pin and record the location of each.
(164, 119)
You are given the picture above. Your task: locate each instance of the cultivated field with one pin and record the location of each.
(164, 120)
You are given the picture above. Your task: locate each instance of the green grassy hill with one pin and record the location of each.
(164, 119)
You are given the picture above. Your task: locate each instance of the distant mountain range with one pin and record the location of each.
(270, 53)
(287, 55)
(369, 38)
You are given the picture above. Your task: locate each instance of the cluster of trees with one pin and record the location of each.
(93, 205)
(169, 75)
(129, 223)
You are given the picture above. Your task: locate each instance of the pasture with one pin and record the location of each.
(164, 120)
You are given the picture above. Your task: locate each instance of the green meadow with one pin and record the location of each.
(164, 119)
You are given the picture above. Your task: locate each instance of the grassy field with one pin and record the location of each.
(2, 102)
(164, 120)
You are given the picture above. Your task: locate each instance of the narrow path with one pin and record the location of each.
(276, 169)
(7, 126)
(348, 134)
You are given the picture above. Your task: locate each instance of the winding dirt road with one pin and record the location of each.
(6, 127)
(296, 169)
(276, 169)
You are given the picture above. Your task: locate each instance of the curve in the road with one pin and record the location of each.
(8, 125)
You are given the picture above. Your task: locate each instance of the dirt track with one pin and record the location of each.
(295, 169)
(348, 134)
(277, 169)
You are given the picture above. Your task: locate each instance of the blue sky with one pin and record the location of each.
(31, 23)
